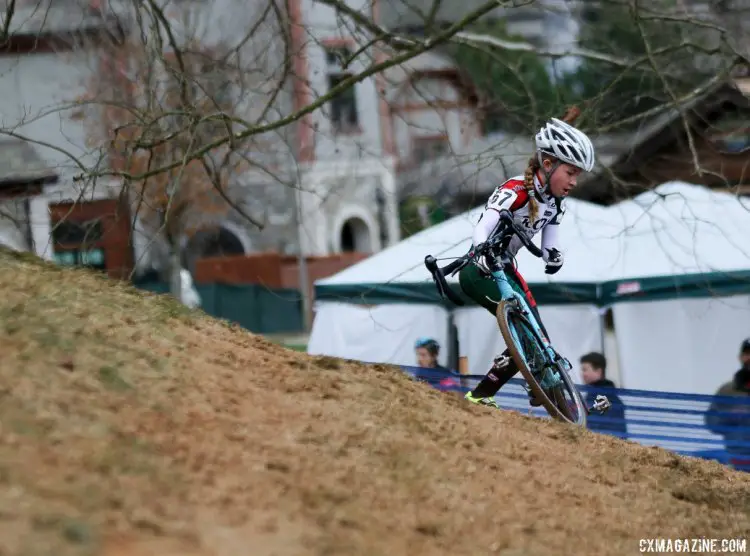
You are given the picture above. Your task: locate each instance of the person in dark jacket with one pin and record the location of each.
(594, 372)
(430, 371)
(735, 416)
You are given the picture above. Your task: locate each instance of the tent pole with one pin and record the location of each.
(452, 341)
(602, 319)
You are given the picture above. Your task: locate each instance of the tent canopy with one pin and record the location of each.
(677, 240)
(681, 240)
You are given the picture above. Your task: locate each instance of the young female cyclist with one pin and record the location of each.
(535, 201)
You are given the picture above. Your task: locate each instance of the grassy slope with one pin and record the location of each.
(131, 426)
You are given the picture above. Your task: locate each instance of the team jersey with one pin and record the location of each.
(512, 196)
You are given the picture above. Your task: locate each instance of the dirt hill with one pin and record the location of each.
(131, 426)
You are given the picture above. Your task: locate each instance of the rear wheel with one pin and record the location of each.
(562, 401)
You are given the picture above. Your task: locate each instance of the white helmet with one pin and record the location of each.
(566, 143)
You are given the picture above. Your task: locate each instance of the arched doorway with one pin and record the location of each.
(221, 243)
(211, 242)
(355, 236)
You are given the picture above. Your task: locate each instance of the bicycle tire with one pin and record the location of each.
(504, 310)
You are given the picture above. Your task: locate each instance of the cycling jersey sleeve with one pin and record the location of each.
(551, 249)
(509, 196)
(550, 236)
(486, 225)
(550, 240)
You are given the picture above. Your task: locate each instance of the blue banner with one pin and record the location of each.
(708, 427)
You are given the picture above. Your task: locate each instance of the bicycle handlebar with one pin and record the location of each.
(507, 218)
(438, 275)
(486, 248)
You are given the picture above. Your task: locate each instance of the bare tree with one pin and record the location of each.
(167, 96)
(196, 101)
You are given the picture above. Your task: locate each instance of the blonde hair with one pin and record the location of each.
(534, 166)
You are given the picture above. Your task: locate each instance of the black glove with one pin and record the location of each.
(554, 260)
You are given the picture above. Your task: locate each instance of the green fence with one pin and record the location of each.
(258, 308)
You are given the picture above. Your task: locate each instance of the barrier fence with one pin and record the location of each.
(671, 420)
(255, 307)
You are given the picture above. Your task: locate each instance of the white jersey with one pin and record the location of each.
(512, 196)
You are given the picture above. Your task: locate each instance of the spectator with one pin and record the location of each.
(594, 372)
(736, 415)
(427, 350)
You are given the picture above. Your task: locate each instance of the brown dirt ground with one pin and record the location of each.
(130, 426)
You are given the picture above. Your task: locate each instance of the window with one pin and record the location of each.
(342, 107)
(429, 148)
(89, 258)
(94, 234)
(75, 243)
(337, 55)
(71, 233)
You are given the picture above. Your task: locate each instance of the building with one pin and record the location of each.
(45, 64)
(363, 139)
(336, 166)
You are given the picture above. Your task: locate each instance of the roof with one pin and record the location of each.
(21, 164)
(663, 130)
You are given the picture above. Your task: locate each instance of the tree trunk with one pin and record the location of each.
(304, 280)
(175, 280)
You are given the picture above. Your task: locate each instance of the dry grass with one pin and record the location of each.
(131, 426)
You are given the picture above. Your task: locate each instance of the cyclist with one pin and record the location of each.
(535, 201)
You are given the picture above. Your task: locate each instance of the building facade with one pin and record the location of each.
(337, 166)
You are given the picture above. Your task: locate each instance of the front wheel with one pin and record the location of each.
(562, 401)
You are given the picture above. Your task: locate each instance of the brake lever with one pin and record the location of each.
(443, 287)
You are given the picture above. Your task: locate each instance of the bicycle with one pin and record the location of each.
(543, 368)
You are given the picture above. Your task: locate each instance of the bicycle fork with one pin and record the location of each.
(549, 377)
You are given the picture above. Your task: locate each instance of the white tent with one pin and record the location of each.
(673, 263)
(685, 253)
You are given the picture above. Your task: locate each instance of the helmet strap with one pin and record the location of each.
(547, 175)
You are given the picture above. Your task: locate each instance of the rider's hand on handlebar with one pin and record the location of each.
(554, 260)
